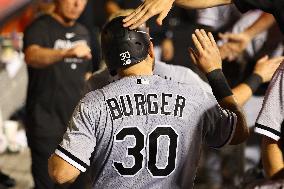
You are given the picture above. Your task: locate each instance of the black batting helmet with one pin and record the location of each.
(122, 47)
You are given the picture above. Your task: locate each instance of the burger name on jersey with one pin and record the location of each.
(143, 104)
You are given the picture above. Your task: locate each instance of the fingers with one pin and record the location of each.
(129, 20)
(197, 43)
(227, 52)
(162, 16)
(227, 36)
(193, 55)
(205, 36)
(138, 19)
(139, 16)
(202, 41)
(207, 56)
(213, 42)
(206, 40)
(202, 38)
(141, 20)
(233, 50)
(222, 36)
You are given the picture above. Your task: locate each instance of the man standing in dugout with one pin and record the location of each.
(58, 57)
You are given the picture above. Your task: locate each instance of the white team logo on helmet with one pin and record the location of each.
(125, 58)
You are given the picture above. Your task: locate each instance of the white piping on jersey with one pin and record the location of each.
(266, 133)
(69, 160)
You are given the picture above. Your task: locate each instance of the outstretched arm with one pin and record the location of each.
(208, 59)
(150, 8)
(40, 57)
(238, 42)
(263, 72)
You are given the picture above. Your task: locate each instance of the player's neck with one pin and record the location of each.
(142, 68)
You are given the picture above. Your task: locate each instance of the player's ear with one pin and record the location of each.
(151, 50)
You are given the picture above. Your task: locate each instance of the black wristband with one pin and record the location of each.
(219, 84)
(253, 81)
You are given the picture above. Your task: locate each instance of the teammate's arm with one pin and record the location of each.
(208, 58)
(241, 132)
(60, 171)
(40, 57)
(272, 157)
(263, 72)
(238, 42)
(150, 8)
(242, 93)
(72, 155)
(264, 22)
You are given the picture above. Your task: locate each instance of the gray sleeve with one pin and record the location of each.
(271, 114)
(79, 139)
(218, 125)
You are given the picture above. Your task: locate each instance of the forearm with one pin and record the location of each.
(272, 158)
(60, 171)
(199, 4)
(241, 131)
(245, 90)
(242, 93)
(264, 22)
(226, 100)
(209, 60)
(40, 57)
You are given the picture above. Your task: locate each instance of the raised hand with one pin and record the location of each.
(265, 67)
(207, 55)
(235, 45)
(146, 10)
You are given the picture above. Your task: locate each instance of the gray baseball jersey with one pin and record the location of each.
(177, 73)
(271, 115)
(144, 132)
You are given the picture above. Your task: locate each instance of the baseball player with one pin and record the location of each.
(144, 131)
(270, 125)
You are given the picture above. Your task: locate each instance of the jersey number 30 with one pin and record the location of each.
(152, 146)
